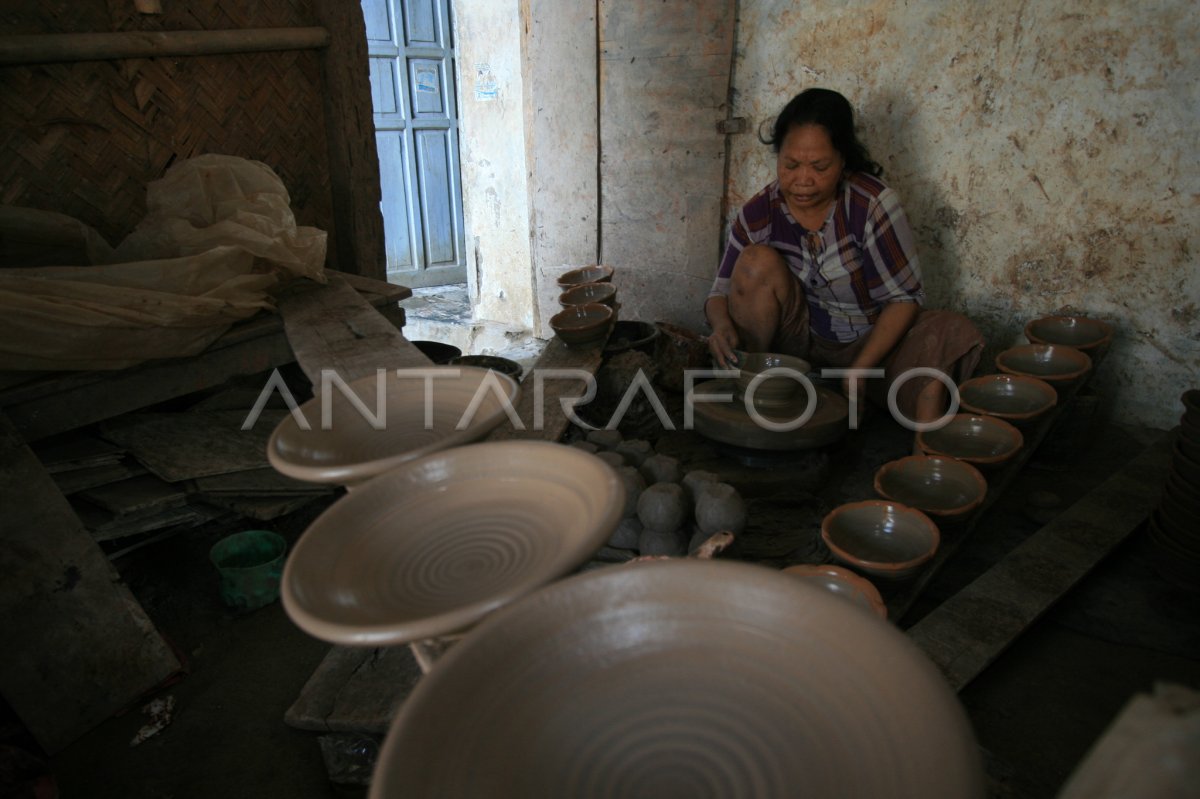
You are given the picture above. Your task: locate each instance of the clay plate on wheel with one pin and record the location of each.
(681, 678)
(434, 545)
(730, 423)
(353, 449)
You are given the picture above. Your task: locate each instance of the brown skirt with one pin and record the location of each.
(942, 340)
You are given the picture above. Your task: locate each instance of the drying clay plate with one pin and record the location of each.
(432, 546)
(730, 423)
(682, 678)
(353, 449)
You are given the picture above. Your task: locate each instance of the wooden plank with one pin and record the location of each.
(78, 647)
(554, 423)
(368, 286)
(967, 632)
(355, 690)
(128, 390)
(191, 444)
(78, 480)
(61, 402)
(334, 328)
(49, 48)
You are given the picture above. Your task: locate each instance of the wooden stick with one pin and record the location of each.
(61, 47)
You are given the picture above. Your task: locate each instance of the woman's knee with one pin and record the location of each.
(760, 264)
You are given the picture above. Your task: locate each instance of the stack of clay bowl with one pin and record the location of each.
(1173, 527)
(589, 306)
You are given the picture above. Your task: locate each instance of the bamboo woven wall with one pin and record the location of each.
(84, 138)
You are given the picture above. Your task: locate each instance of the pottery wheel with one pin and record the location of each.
(728, 422)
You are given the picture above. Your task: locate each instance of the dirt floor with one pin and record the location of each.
(1036, 711)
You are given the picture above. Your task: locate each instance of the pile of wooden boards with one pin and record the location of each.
(142, 476)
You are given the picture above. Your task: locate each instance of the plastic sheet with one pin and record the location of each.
(219, 235)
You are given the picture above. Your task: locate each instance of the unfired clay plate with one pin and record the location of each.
(350, 449)
(677, 678)
(730, 423)
(432, 546)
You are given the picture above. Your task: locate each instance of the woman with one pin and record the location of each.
(822, 264)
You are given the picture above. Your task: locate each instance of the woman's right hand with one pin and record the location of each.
(722, 345)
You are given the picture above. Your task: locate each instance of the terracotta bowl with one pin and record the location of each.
(354, 447)
(603, 293)
(778, 388)
(1080, 332)
(842, 582)
(437, 351)
(1054, 363)
(630, 334)
(978, 440)
(1016, 398)
(1188, 470)
(681, 678)
(432, 546)
(945, 488)
(883, 539)
(596, 273)
(582, 325)
(494, 362)
(1191, 403)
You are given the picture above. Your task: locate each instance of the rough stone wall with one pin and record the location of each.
(1046, 153)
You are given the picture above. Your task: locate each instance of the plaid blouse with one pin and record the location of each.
(862, 258)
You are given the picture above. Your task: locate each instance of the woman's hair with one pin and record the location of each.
(831, 111)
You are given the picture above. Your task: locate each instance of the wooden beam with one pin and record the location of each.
(967, 632)
(47, 48)
(556, 356)
(77, 646)
(334, 328)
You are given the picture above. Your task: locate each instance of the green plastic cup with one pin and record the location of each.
(249, 564)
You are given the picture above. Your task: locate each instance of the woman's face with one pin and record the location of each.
(809, 170)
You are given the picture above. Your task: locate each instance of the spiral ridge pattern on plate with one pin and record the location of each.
(682, 679)
(428, 548)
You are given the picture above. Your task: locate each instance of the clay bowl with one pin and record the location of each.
(582, 325)
(884, 539)
(494, 362)
(983, 441)
(631, 335)
(1054, 363)
(1080, 332)
(842, 582)
(677, 678)
(1015, 398)
(947, 489)
(1191, 403)
(1181, 516)
(1188, 470)
(596, 273)
(603, 293)
(438, 352)
(354, 447)
(434, 545)
(780, 387)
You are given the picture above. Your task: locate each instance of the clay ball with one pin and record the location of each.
(612, 459)
(662, 507)
(586, 446)
(605, 439)
(720, 507)
(660, 469)
(695, 478)
(635, 450)
(627, 535)
(634, 486)
(672, 543)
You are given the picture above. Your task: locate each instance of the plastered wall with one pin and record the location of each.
(1046, 153)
